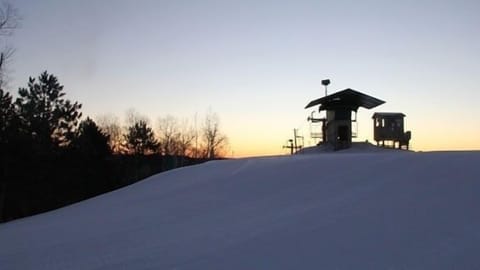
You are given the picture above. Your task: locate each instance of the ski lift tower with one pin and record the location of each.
(339, 107)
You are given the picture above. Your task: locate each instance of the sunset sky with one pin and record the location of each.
(258, 63)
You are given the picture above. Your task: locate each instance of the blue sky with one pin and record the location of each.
(258, 63)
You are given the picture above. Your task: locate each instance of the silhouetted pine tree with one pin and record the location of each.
(141, 139)
(47, 117)
(90, 141)
(7, 113)
(7, 119)
(88, 163)
(40, 176)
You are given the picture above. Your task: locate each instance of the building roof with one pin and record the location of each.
(348, 98)
(387, 114)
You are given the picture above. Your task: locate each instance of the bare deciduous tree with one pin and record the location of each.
(168, 131)
(9, 20)
(176, 136)
(185, 139)
(214, 140)
(132, 116)
(110, 125)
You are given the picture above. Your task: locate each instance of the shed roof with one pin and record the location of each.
(387, 114)
(348, 98)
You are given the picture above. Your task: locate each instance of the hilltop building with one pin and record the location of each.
(389, 127)
(341, 115)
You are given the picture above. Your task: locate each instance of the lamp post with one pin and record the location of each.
(325, 83)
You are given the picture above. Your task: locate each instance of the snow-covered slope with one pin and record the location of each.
(383, 210)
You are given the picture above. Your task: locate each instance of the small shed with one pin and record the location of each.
(337, 125)
(389, 127)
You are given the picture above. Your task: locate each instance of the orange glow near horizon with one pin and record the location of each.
(249, 150)
(434, 138)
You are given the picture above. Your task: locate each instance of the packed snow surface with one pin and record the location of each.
(341, 210)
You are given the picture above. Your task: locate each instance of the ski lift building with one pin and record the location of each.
(388, 126)
(339, 107)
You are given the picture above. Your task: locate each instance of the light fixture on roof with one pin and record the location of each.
(325, 83)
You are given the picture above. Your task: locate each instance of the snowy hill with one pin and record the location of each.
(351, 210)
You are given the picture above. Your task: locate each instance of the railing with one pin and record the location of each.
(316, 130)
(354, 129)
(316, 135)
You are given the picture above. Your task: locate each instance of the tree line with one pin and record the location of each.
(172, 136)
(50, 156)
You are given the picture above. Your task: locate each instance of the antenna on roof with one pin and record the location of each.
(325, 83)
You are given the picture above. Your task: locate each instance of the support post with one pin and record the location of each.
(295, 138)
